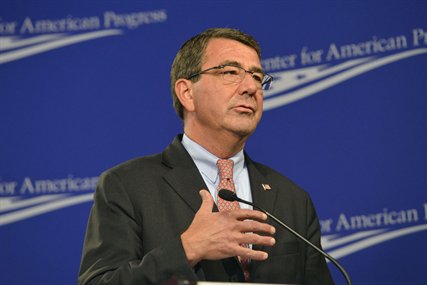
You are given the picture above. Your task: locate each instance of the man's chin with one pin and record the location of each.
(242, 125)
(243, 131)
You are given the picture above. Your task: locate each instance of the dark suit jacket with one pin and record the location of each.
(142, 206)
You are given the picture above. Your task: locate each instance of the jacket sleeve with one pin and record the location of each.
(113, 251)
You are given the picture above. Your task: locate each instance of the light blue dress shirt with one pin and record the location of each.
(206, 164)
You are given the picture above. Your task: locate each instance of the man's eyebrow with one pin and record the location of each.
(236, 63)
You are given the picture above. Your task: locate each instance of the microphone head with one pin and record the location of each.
(227, 195)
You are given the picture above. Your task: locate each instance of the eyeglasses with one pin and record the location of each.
(236, 74)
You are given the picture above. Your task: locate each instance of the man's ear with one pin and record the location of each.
(184, 92)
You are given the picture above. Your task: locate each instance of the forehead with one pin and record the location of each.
(220, 50)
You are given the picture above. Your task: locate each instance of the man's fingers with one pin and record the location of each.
(207, 201)
(247, 253)
(250, 221)
(250, 238)
(255, 226)
(244, 214)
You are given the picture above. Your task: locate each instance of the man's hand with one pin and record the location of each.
(218, 235)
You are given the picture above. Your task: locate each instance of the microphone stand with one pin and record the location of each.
(231, 196)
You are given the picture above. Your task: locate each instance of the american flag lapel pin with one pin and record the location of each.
(266, 187)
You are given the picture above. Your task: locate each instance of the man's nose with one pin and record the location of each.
(249, 84)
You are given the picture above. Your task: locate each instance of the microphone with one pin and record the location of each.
(231, 197)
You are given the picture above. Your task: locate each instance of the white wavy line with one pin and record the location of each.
(329, 241)
(25, 52)
(349, 249)
(310, 73)
(10, 203)
(45, 208)
(286, 80)
(15, 42)
(319, 86)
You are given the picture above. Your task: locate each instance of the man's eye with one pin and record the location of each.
(230, 71)
(257, 77)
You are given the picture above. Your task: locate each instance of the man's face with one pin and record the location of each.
(221, 106)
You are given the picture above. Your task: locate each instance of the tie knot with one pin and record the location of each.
(225, 167)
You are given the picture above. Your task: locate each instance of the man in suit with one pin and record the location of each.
(156, 218)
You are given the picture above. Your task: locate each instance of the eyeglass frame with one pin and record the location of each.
(263, 83)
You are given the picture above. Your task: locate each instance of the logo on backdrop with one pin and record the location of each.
(20, 39)
(24, 199)
(323, 68)
(347, 234)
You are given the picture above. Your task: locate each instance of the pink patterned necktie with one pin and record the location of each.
(225, 167)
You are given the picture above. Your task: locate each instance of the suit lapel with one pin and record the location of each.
(183, 177)
(263, 195)
(263, 192)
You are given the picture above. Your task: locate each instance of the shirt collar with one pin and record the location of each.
(206, 161)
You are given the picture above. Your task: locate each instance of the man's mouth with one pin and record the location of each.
(245, 108)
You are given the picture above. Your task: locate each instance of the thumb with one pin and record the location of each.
(207, 201)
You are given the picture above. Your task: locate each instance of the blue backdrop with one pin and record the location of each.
(85, 86)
